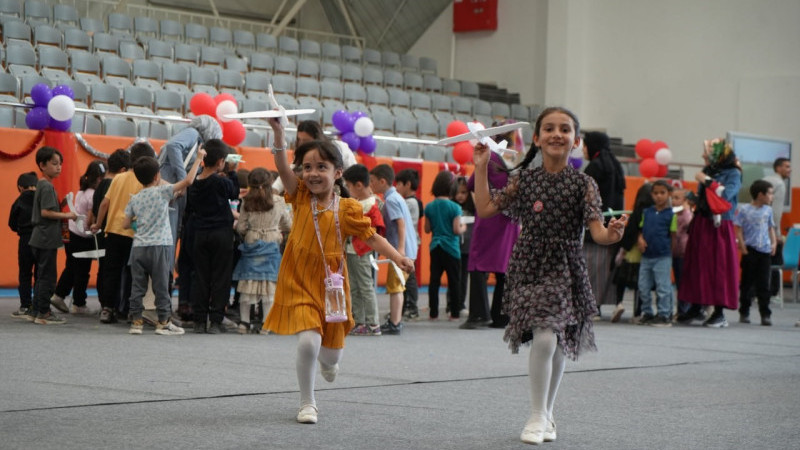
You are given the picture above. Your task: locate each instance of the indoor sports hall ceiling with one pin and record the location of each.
(393, 25)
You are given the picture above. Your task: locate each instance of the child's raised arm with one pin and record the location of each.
(610, 235)
(483, 201)
(184, 183)
(382, 246)
(288, 178)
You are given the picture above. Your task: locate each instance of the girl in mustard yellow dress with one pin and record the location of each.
(321, 218)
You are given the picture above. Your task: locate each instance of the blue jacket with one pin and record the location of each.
(259, 261)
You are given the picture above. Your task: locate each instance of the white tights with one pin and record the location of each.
(546, 367)
(309, 350)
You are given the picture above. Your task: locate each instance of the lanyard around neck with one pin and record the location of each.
(314, 214)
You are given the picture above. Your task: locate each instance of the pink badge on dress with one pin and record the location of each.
(538, 206)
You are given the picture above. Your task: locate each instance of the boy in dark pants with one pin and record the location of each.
(406, 182)
(45, 240)
(20, 222)
(208, 205)
(755, 233)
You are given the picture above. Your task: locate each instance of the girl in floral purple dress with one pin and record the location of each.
(548, 299)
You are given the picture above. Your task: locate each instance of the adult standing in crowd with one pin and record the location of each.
(710, 275)
(782, 168)
(606, 170)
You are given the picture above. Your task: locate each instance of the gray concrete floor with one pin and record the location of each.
(90, 385)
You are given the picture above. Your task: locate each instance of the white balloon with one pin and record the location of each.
(364, 127)
(61, 107)
(663, 156)
(226, 107)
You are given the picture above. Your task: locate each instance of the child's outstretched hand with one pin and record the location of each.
(618, 225)
(406, 264)
(201, 153)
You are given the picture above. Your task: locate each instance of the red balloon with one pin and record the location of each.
(658, 145)
(462, 152)
(648, 168)
(662, 170)
(456, 127)
(233, 132)
(645, 149)
(202, 103)
(219, 98)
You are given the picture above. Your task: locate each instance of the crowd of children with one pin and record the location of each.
(298, 263)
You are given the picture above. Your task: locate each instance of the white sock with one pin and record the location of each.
(555, 379)
(329, 356)
(308, 345)
(540, 368)
(244, 307)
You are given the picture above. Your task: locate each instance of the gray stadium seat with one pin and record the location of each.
(105, 43)
(427, 65)
(284, 84)
(390, 60)
(392, 79)
(37, 12)
(310, 49)
(79, 89)
(434, 153)
(21, 60)
(230, 79)
(253, 139)
(331, 89)
(399, 98)
(307, 68)
(377, 95)
(331, 52)
(266, 42)
(462, 105)
(286, 64)
(187, 54)
(312, 103)
(500, 111)
(167, 103)
(170, 30)
(145, 28)
(105, 97)
(116, 126)
(451, 87)
(352, 73)
(354, 92)
(470, 89)
(27, 82)
(409, 63)
(194, 33)
(85, 67)
(16, 30)
(330, 71)
(174, 74)
(386, 149)
(54, 64)
(47, 35)
(137, 99)
(441, 103)
(75, 38)
(220, 37)
(212, 56)
(130, 51)
(407, 150)
(262, 62)
(235, 63)
(65, 16)
(420, 101)
(412, 81)
(120, 24)
(250, 105)
(202, 76)
(11, 8)
(405, 126)
(288, 46)
(373, 75)
(160, 51)
(351, 55)
(256, 82)
(307, 87)
(9, 87)
(431, 83)
(372, 57)
(481, 107)
(520, 112)
(244, 42)
(92, 25)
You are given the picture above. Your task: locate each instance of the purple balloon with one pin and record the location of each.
(351, 139)
(343, 121)
(60, 125)
(37, 118)
(576, 163)
(41, 94)
(367, 144)
(357, 115)
(64, 89)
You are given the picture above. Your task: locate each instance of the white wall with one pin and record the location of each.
(680, 70)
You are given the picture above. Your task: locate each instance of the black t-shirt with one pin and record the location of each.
(99, 195)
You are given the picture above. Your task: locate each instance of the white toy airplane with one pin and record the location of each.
(278, 111)
(397, 271)
(484, 135)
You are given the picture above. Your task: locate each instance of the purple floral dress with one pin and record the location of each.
(548, 285)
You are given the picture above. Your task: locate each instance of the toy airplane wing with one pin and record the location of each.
(397, 270)
(270, 114)
(484, 136)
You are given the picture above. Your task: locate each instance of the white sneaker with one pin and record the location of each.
(228, 323)
(617, 314)
(168, 329)
(307, 414)
(59, 303)
(550, 431)
(329, 372)
(74, 309)
(534, 430)
(136, 327)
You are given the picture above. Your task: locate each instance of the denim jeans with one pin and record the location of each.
(656, 271)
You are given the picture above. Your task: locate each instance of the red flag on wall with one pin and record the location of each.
(474, 15)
